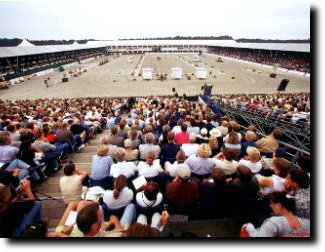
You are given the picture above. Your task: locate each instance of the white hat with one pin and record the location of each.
(215, 132)
(204, 131)
(183, 171)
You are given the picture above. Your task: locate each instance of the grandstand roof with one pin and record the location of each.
(291, 47)
(32, 50)
(163, 42)
(294, 47)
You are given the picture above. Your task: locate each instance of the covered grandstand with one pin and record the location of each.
(27, 59)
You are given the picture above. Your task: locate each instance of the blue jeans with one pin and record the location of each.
(128, 216)
(64, 147)
(65, 143)
(17, 163)
(33, 216)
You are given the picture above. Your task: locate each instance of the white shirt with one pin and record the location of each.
(225, 139)
(144, 202)
(229, 167)
(145, 148)
(125, 168)
(278, 185)
(171, 168)
(176, 129)
(149, 171)
(125, 197)
(277, 226)
(189, 149)
(254, 167)
(71, 188)
(195, 130)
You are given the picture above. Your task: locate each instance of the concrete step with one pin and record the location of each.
(208, 228)
(53, 209)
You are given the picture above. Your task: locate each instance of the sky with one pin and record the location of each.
(122, 19)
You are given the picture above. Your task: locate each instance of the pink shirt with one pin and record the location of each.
(182, 137)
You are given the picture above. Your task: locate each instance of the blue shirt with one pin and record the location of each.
(199, 165)
(100, 167)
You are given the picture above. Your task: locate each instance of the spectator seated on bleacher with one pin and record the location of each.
(284, 224)
(149, 146)
(216, 195)
(63, 135)
(151, 167)
(116, 200)
(201, 164)
(135, 136)
(150, 200)
(10, 163)
(105, 140)
(122, 167)
(245, 191)
(268, 144)
(295, 180)
(27, 153)
(157, 228)
(169, 150)
(182, 193)
(183, 136)
(225, 160)
(250, 138)
(100, 168)
(191, 147)
(71, 184)
(52, 153)
(171, 168)
(131, 154)
(17, 212)
(252, 160)
(115, 139)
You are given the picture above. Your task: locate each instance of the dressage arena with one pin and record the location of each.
(120, 77)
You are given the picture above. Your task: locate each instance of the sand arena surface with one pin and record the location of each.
(120, 78)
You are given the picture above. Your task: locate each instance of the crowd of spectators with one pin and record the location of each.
(290, 107)
(289, 60)
(191, 160)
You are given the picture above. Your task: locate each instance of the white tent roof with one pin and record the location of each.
(161, 42)
(75, 43)
(293, 47)
(32, 50)
(25, 43)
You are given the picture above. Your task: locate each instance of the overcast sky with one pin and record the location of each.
(93, 19)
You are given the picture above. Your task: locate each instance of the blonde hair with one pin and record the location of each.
(150, 157)
(253, 153)
(204, 150)
(120, 154)
(213, 142)
(104, 139)
(102, 151)
(127, 143)
(250, 135)
(224, 123)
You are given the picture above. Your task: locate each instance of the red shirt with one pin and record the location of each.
(182, 137)
(51, 138)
